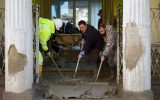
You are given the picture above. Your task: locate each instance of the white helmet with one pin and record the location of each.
(58, 23)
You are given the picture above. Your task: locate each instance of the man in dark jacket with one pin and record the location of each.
(93, 42)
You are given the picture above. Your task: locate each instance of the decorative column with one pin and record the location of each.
(18, 46)
(136, 50)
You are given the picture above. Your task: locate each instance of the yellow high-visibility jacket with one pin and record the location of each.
(46, 29)
(40, 58)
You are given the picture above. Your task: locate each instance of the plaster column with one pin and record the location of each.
(136, 49)
(18, 46)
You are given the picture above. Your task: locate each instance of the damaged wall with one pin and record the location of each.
(134, 47)
(16, 61)
(18, 46)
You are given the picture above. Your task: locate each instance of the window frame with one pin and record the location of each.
(74, 9)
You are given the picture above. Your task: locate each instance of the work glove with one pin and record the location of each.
(81, 54)
(100, 53)
(60, 46)
(102, 58)
(49, 54)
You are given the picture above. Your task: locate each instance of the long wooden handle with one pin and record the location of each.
(82, 46)
(57, 67)
(76, 68)
(99, 71)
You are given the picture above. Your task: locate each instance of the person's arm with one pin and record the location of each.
(109, 44)
(86, 47)
(44, 45)
(88, 43)
(44, 40)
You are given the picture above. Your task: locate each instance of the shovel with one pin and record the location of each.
(76, 68)
(73, 81)
(77, 63)
(98, 71)
(57, 67)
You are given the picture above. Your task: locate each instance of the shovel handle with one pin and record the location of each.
(99, 71)
(76, 68)
(82, 47)
(57, 67)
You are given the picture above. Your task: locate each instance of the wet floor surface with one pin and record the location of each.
(81, 88)
(53, 86)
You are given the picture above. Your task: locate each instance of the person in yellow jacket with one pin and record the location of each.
(47, 28)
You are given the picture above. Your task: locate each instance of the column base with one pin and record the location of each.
(27, 95)
(146, 95)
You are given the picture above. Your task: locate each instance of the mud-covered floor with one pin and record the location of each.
(53, 87)
(49, 89)
(83, 87)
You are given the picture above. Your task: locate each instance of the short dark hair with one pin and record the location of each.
(102, 25)
(82, 22)
(100, 11)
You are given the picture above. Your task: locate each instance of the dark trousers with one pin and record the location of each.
(93, 58)
(111, 61)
